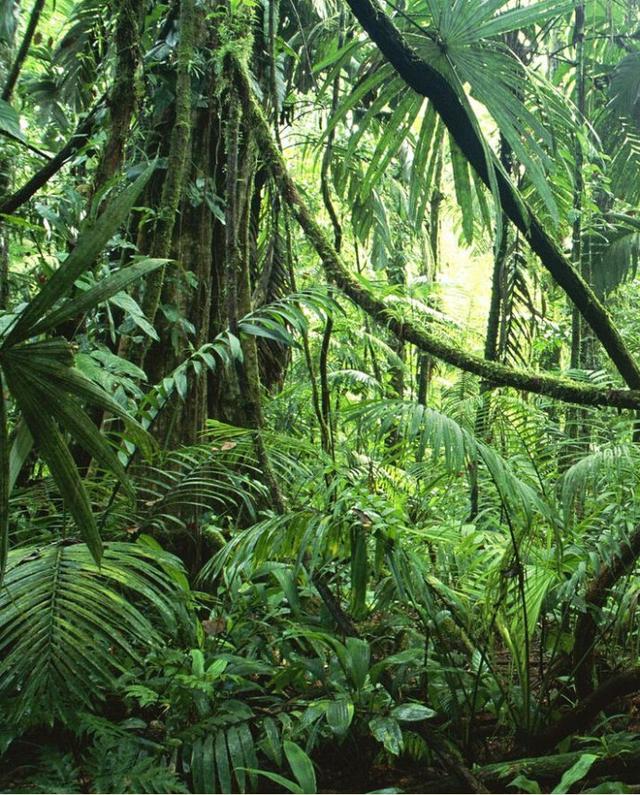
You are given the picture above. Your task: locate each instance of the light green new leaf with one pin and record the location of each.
(575, 773)
(526, 784)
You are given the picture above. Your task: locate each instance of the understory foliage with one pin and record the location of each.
(289, 496)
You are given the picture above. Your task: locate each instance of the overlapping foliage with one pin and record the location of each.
(252, 535)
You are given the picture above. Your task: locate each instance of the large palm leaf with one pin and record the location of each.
(68, 626)
(460, 38)
(45, 385)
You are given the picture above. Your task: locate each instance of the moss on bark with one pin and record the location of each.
(427, 341)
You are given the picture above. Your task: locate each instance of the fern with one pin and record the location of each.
(68, 626)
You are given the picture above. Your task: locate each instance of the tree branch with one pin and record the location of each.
(12, 79)
(426, 81)
(427, 341)
(582, 715)
(51, 168)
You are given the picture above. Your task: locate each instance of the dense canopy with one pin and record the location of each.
(319, 396)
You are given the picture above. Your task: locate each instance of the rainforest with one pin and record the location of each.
(319, 396)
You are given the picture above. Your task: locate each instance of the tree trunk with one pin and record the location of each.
(426, 81)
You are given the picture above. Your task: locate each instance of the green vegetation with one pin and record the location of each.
(319, 396)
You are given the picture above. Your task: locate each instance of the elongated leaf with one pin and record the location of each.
(222, 762)
(44, 358)
(273, 741)
(60, 616)
(9, 120)
(412, 712)
(56, 454)
(236, 757)
(518, 18)
(81, 428)
(575, 773)
(359, 657)
(301, 766)
(359, 573)
(248, 749)
(281, 781)
(387, 731)
(96, 295)
(4, 481)
(339, 716)
(20, 449)
(462, 183)
(92, 241)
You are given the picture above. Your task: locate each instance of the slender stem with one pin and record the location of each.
(12, 79)
(4, 482)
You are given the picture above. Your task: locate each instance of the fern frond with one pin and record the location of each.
(67, 625)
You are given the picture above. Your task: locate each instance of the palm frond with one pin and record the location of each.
(68, 626)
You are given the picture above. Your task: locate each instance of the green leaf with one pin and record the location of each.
(359, 573)
(20, 449)
(272, 741)
(96, 295)
(526, 784)
(289, 785)
(9, 120)
(339, 715)
(358, 659)
(222, 762)
(387, 731)
(462, 183)
(236, 756)
(67, 625)
(613, 787)
(208, 765)
(517, 18)
(92, 241)
(248, 749)
(412, 712)
(56, 454)
(301, 766)
(575, 773)
(275, 332)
